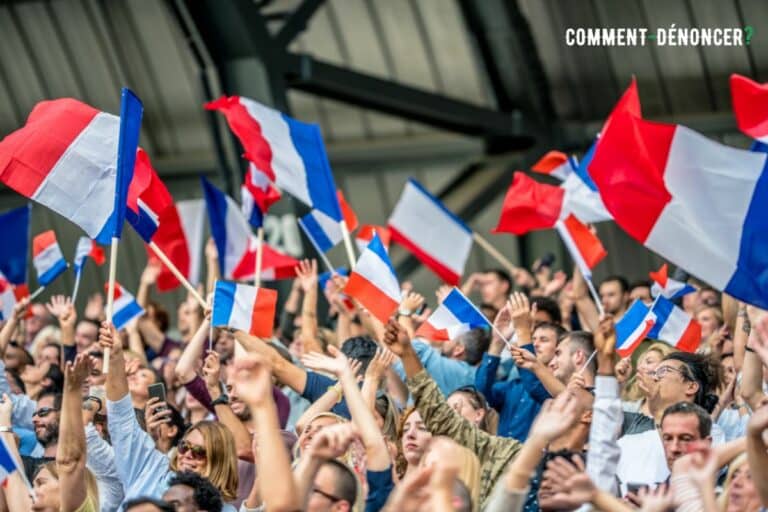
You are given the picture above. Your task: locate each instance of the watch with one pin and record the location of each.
(222, 400)
(404, 312)
(5, 428)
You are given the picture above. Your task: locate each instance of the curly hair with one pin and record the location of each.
(706, 371)
(207, 496)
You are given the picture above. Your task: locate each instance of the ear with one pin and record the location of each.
(458, 351)
(586, 417)
(692, 388)
(170, 431)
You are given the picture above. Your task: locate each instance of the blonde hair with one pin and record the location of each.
(739, 461)
(469, 464)
(91, 487)
(221, 457)
(633, 392)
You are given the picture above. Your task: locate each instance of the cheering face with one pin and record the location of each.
(613, 299)
(415, 438)
(192, 455)
(46, 421)
(562, 364)
(544, 344)
(645, 367)
(315, 426)
(46, 488)
(708, 320)
(742, 494)
(139, 381)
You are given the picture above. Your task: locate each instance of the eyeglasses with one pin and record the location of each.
(44, 411)
(330, 497)
(659, 373)
(195, 451)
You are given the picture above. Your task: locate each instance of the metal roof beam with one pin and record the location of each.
(297, 22)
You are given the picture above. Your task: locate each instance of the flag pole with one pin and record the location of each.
(111, 295)
(77, 285)
(36, 293)
(322, 255)
(259, 256)
(348, 244)
(177, 273)
(595, 296)
(494, 253)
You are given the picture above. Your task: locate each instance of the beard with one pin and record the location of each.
(48, 435)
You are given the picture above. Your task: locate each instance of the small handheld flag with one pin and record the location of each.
(674, 326)
(125, 307)
(585, 248)
(365, 234)
(455, 316)
(86, 248)
(47, 257)
(373, 282)
(633, 328)
(8, 465)
(245, 308)
(667, 287)
(556, 164)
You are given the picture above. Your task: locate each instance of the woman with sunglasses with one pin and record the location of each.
(64, 485)
(207, 448)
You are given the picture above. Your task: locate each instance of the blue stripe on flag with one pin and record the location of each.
(749, 283)
(377, 248)
(142, 222)
(582, 170)
(216, 205)
(323, 278)
(223, 302)
(440, 205)
(7, 462)
(662, 308)
(634, 316)
(309, 144)
(314, 230)
(464, 310)
(52, 273)
(126, 314)
(14, 233)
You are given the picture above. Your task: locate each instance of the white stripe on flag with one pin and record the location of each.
(377, 272)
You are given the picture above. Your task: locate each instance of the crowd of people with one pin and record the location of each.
(339, 412)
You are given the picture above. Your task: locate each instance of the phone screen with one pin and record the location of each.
(157, 391)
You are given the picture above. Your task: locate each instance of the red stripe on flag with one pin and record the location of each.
(97, 253)
(627, 351)
(374, 300)
(43, 241)
(590, 247)
(28, 154)
(263, 313)
(750, 105)
(550, 162)
(660, 276)
(691, 338)
(529, 205)
(428, 332)
(443, 272)
(347, 212)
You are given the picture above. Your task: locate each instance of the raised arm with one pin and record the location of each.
(286, 372)
(117, 383)
(17, 495)
(527, 360)
(212, 265)
(9, 327)
(740, 336)
(757, 451)
(586, 308)
(306, 275)
(374, 374)
(185, 368)
(62, 308)
(253, 381)
(147, 281)
(71, 454)
(377, 454)
(755, 357)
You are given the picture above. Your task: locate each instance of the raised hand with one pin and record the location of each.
(623, 370)
(412, 493)
(306, 275)
(253, 379)
(212, 371)
(572, 489)
(61, 307)
(659, 499)
(703, 469)
(151, 272)
(335, 364)
(108, 339)
(211, 251)
(442, 292)
(382, 360)
(503, 324)
(520, 311)
(395, 337)
(20, 309)
(155, 414)
(333, 441)
(76, 372)
(556, 284)
(556, 417)
(759, 339)
(412, 302)
(523, 358)
(94, 308)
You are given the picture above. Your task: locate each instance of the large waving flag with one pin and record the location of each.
(633, 328)
(257, 195)
(192, 216)
(324, 232)
(674, 326)
(438, 238)
(291, 153)
(556, 164)
(530, 205)
(750, 106)
(275, 265)
(125, 307)
(365, 234)
(667, 287)
(47, 257)
(373, 282)
(245, 308)
(455, 316)
(585, 248)
(14, 232)
(697, 203)
(87, 248)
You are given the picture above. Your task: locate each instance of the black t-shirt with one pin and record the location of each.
(636, 423)
(32, 465)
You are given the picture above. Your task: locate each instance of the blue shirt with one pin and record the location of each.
(449, 374)
(316, 387)
(380, 485)
(518, 401)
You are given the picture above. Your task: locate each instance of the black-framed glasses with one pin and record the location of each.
(44, 411)
(330, 497)
(195, 451)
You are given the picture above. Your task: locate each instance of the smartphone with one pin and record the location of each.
(157, 390)
(634, 488)
(421, 309)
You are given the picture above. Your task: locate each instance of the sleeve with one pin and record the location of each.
(23, 406)
(533, 386)
(101, 462)
(485, 379)
(441, 419)
(503, 500)
(316, 387)
(140, 461)
(197, 388)
(380, 485)
(604, 452)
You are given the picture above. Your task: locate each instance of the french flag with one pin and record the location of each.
(556, 164)
(585, 248)
(373, 282)
(674, 326)
(697, 203)
(14, 232)
(125, 306)
(257, 195)
(365, 234)
(322, 231)
(275, 265)
(192, 216)
(66, 158)
(438, 238)
(245, 308)
(87, 248)
(455, 316)
(750, 106)
(8, 463)
(633, 328)
(47, 258)
(667, 287)
(291, 153)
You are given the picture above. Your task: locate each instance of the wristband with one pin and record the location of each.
(222, 400)
(5, 428)
(337, 388)
(404, 312)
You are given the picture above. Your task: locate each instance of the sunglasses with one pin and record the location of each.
(44, 411)
(195, 451)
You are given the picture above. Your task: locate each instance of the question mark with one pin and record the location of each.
(748, 31)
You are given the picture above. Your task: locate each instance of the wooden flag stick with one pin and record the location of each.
(77, 285)
(111, 295)
(177, 273)
(36, 293)
(348, 244)
(259, 256)
(494, 253)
